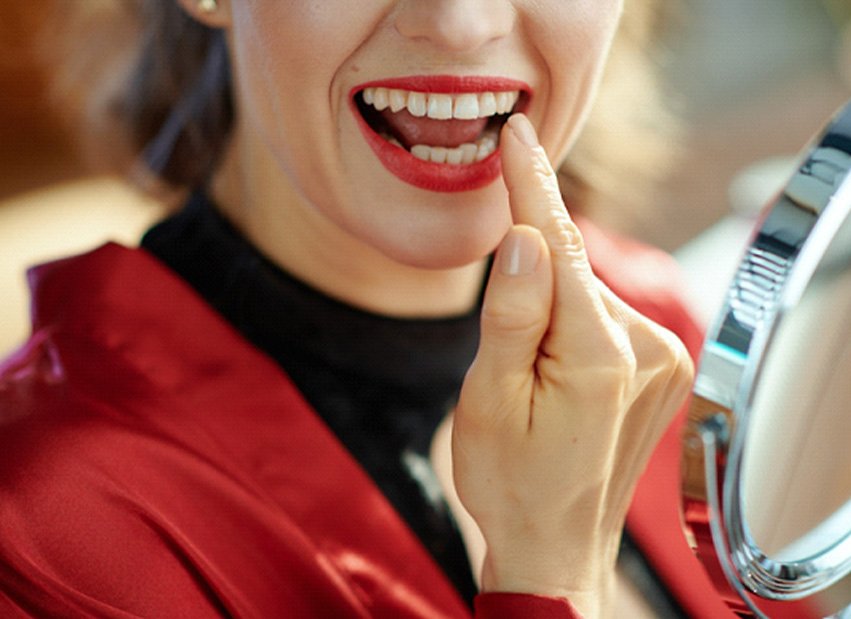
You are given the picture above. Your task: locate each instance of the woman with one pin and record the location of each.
(157, 460)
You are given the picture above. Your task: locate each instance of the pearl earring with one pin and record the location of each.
(208, 6)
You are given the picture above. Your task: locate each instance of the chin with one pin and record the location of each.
(451, 249)
(421, 228)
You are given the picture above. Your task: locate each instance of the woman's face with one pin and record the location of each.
(313, 79)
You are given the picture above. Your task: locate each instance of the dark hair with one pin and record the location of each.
(159, 102)
(178, 99)
(169, 102)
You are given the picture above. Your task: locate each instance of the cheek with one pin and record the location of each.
(574, 42)
(573, 45)
(278, 45)
(285, 67)
(289, 55)
(309, 37)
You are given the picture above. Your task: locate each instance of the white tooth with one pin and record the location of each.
(438, 154)
(461, 155)
(515, 95)
(398, 99)
(369, 95)
(487, 104)
(421, 151)
(468, 152)
(417, 104)
(380, 101)
(454, 156)
(487, 146)
(503, 102)
(466, 107)
(439, 106)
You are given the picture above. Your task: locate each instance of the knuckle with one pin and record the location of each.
(670, 358)
(511, 317)
(625, 359)
(678, 380)
(564, 236)
(677, 355)
(683, 365)
(608, 379)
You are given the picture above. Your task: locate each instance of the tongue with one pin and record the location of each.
(411, 130)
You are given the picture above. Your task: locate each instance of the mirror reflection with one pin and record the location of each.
(796, 463)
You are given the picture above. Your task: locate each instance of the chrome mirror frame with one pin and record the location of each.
(779, 262)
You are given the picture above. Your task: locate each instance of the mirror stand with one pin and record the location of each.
(767, 446)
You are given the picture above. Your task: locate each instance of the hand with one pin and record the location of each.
(569, 393)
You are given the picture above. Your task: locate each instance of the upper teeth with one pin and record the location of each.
(466, 106)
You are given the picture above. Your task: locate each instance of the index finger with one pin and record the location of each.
(580, 322)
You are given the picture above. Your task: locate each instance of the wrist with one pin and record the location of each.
(586, 580)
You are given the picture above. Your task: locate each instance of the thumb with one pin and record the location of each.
(516, 309)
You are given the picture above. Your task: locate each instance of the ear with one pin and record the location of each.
(211, 13)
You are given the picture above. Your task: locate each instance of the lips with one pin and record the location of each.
(438, 133)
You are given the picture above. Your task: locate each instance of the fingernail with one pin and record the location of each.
(523, 129)
(519, 252)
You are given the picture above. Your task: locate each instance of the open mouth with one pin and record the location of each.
(442, 128)
(438, 133)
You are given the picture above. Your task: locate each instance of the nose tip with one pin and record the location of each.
(455, 25)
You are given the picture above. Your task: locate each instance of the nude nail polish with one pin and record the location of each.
(523, 129)
(519, 253)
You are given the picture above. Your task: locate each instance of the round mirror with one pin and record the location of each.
(767, 448)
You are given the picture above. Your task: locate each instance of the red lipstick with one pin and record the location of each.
(442, 177)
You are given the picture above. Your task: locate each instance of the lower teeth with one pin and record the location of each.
(460, 155)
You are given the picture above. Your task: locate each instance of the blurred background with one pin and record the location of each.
(754, 81)
(35, 149)
(751, 80)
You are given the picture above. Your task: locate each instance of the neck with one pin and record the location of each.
(254, 195)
